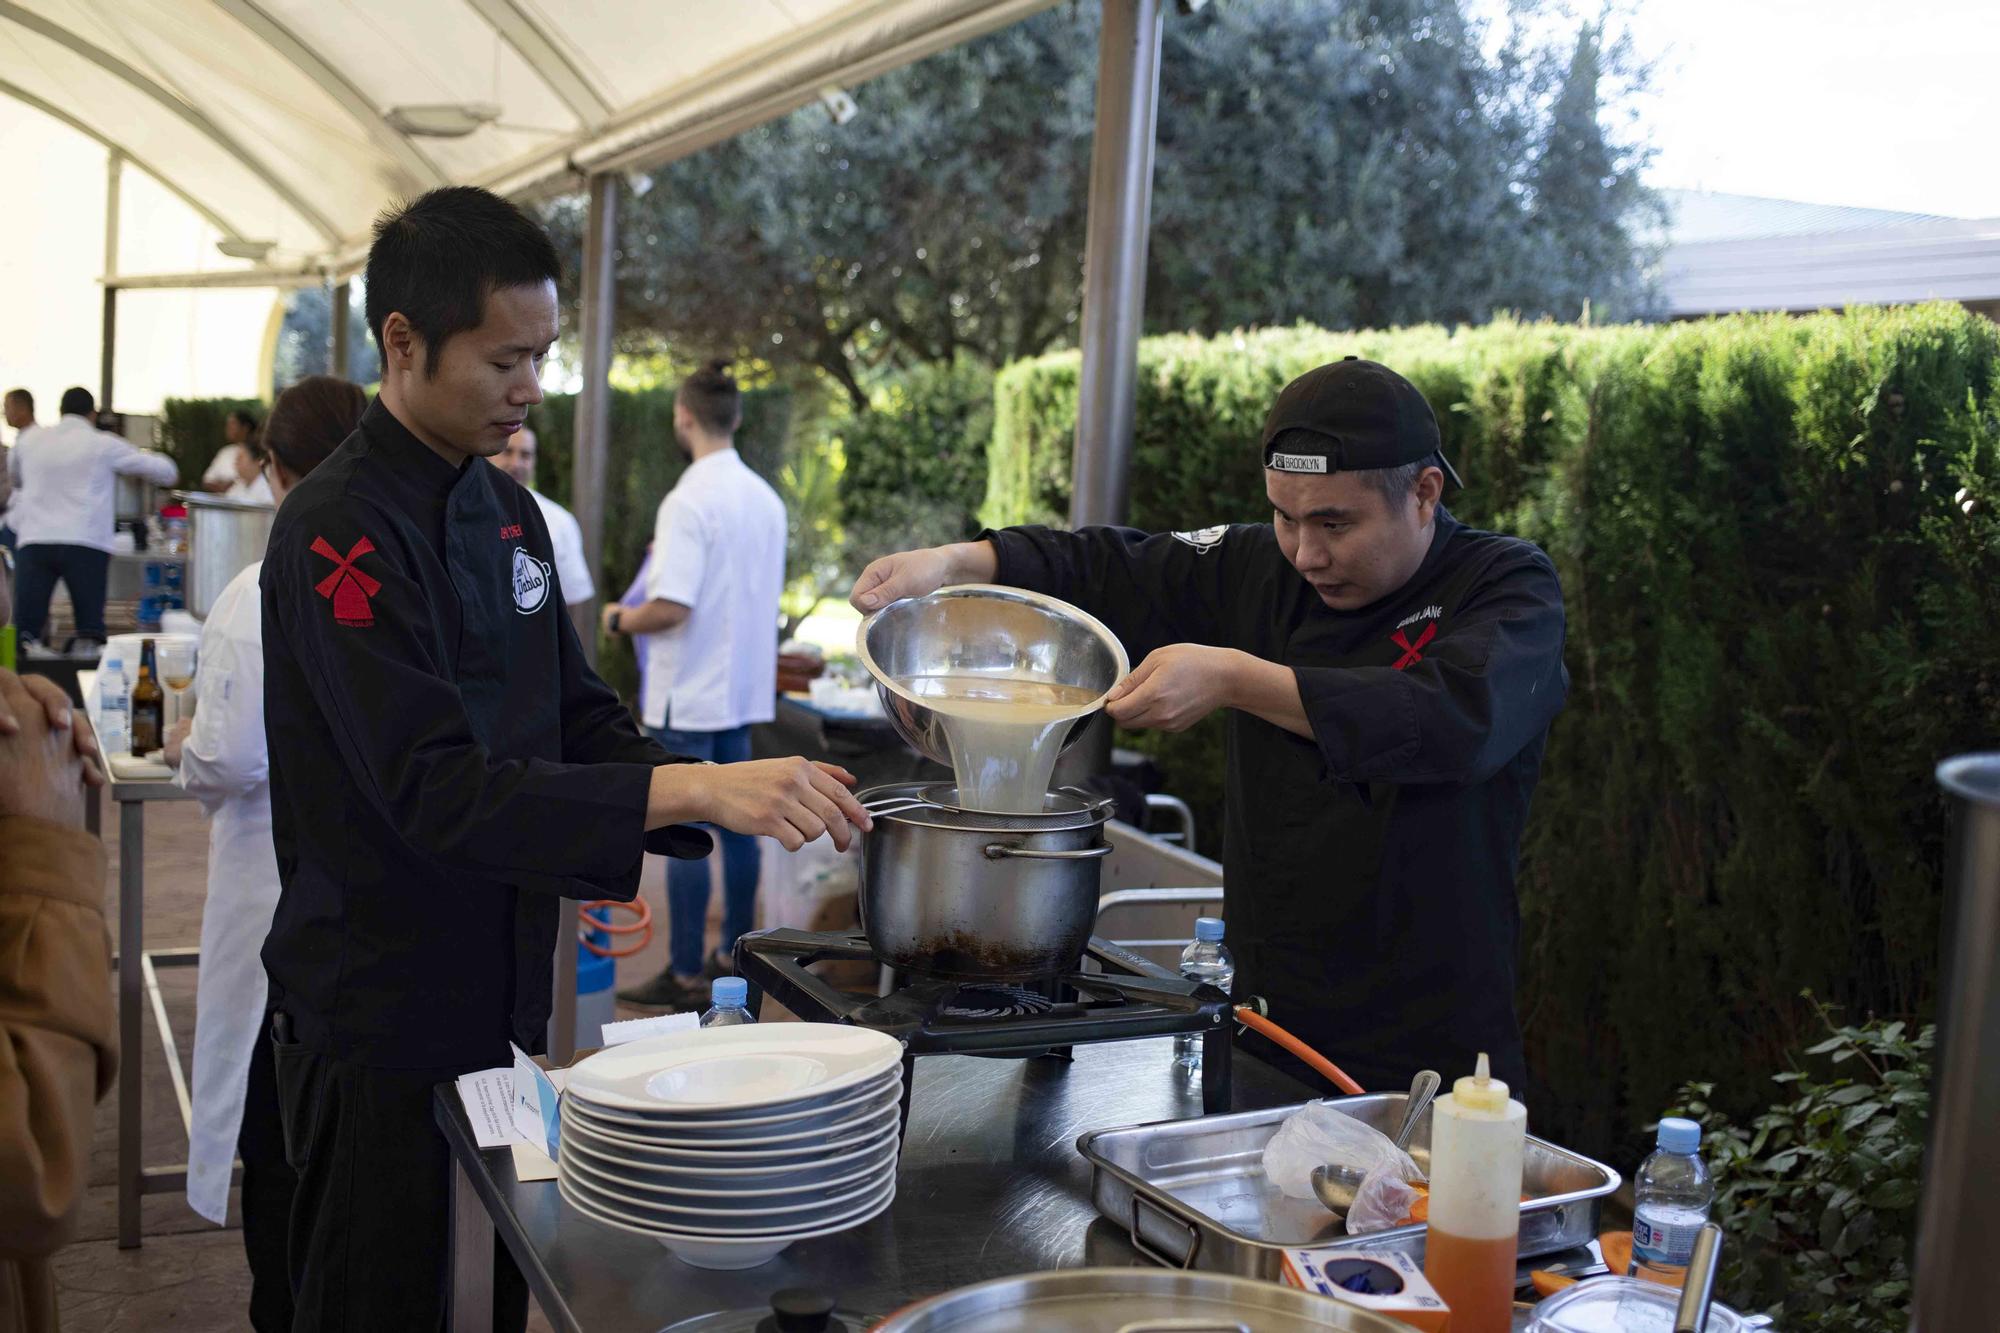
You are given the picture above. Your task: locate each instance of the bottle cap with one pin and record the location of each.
(1481, 1091)
(729, 991)
(1208, 928)
(1679, 1136)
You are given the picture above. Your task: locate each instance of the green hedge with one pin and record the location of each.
(915, 463)
(191, 430)
(1779, 620)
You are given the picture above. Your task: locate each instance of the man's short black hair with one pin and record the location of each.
(24, 398)
(713, 398)
(436, 259)
(77, 402)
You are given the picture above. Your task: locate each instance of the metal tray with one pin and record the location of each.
(1193, 1194)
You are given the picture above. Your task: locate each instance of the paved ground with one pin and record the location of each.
(188, 1275)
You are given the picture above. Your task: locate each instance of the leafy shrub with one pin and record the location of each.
(1818, 1194)
(915, 469)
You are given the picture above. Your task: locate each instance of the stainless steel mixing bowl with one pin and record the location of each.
(979, 629)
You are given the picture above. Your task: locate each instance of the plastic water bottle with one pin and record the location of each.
(728, 1003)
(114, 708)
(1672, 1193)
(1204, 960)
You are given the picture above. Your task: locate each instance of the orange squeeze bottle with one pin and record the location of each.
(1478, 1135)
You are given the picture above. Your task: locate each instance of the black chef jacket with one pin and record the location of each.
(444, 764)
(1370, 870)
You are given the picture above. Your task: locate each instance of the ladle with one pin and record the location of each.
(1337, 1185)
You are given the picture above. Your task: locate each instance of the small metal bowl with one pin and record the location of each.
(979, 629)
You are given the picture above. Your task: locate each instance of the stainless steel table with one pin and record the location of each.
(991, 1184)
(138, 983)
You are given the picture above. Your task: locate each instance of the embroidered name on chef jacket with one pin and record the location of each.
(531, 582)
(1204, 540)
(1413, 648)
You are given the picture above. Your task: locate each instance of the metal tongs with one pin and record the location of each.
(1698, 1289)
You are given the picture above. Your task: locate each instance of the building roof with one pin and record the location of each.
(296, 121)
(1739, 252)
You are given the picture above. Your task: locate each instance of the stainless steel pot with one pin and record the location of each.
(224, 538)
(950, 892)
(980, 629)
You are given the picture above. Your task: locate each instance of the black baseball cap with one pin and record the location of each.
(1351, 416)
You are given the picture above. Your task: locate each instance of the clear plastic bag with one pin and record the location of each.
(1383, 1199)
(1318, 1134)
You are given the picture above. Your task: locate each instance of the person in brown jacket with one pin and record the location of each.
(58, 1032)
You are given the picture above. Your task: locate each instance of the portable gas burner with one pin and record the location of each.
(1128, 998)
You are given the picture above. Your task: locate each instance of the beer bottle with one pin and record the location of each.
(148, 705)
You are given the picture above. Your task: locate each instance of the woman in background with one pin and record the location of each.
(221, 758)
(238, 429)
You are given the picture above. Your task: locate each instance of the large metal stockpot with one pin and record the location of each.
(225, 537)
(949, 892)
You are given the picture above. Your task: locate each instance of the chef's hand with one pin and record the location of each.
(604, 617)
(42, 774)
(176, 739)
(39, 694)
(1174, 688)
(792, 800)
(917, 573)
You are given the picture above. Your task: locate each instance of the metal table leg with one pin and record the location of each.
(131, 950)
(471, 1258)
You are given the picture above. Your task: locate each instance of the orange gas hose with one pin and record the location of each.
(641, 926)
(1256, 1022)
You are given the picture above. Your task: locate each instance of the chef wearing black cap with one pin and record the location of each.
(1390, 676)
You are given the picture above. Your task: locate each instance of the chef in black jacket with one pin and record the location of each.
(1389, 674)
(444, 765)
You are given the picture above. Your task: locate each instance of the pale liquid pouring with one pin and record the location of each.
(1005, 734)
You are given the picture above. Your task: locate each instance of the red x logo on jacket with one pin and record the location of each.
(1413, 652)
(349, 588)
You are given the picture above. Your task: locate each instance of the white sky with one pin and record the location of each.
(1876, 103)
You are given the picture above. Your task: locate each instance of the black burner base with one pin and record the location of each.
(1123, 998)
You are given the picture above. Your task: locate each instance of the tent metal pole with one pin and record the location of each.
(114, 171)
(1114, 264)
(591, 468)
(338, 354)
(593, 402)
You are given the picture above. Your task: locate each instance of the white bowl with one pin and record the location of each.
(823, 1137)
(650, 1179)
(868, 1098)
(806, 1156)
(732, 1252)
(734, 1068)
(728, 1214)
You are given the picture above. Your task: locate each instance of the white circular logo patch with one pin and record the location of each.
(531, 582)
(1206, 539)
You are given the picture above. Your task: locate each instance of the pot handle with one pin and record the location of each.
(1013, 851)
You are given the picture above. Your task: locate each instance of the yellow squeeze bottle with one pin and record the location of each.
(1478, 1135)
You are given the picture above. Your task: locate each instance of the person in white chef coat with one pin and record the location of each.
(517, 460)
(221, 759)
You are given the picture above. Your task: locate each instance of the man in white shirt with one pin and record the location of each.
(20, 412)
(718, 567)
(67, 475)
(517, 460)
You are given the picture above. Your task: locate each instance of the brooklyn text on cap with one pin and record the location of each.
(1351, 416)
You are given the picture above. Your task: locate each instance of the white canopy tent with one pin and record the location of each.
(287, 125)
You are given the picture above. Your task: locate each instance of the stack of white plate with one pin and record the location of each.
(728, 1144)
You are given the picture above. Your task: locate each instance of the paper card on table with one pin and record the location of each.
(633, 1029)
(535, 1104)
(531, 1163)
(489, 1098)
